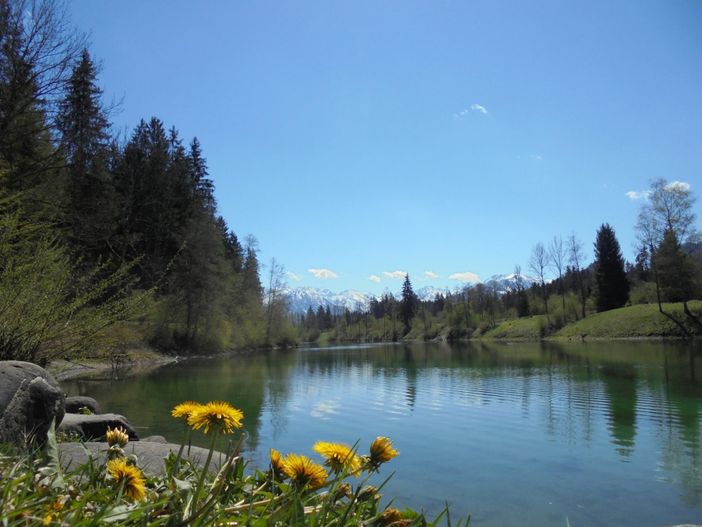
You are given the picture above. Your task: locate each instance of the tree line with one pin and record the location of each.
(103, 229)
(561, 287)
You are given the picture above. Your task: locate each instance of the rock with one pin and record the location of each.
(150, 455)
(75, 403)
(95, 426)
(28, 416)
(155, 439)
(13, 373)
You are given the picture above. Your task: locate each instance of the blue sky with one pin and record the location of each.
(363, 138)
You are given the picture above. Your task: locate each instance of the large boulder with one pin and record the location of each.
(94, 426)
(76, 403)
(30, 399)
(28, 417)
(150, 455)
(13, 373)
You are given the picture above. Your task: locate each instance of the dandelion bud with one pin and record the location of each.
(368, 493)
(381, 451)
(343, 491)
(392, 517)
(117, 436)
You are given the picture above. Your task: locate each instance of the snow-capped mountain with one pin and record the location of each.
(508, 282)
(429, 292)
(300, 299)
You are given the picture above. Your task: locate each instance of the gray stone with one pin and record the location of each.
(95, 426)
(28, 416)
(76, 402)
(13, 373)
(155, 439)
(150, 456)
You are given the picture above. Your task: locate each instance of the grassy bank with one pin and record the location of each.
(639, 321)
(526, 328)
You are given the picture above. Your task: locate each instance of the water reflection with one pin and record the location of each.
(602, 433)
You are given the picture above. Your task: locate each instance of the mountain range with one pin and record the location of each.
(299, 299)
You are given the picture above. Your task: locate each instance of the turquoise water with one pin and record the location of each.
(513, 434)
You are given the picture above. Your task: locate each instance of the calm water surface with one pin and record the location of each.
(514, 434)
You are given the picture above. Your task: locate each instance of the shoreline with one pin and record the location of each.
(136, 361)
(147, 360)
(65, 370)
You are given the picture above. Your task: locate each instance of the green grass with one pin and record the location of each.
(527, 328)
(640, 321)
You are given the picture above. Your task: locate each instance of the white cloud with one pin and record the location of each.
(397, 275)
(465, 277)
(323, 274)
(472, 108)
(536, 157)
(479, 108)
(293, 276)
(374, 278)
(634, 195)
(431, 275)
(678, 185)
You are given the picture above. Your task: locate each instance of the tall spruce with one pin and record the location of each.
(677, 270)
(408, 304)
(610, 276)
(84, 140)
(37, 50)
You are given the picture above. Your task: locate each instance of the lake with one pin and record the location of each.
(540, 434)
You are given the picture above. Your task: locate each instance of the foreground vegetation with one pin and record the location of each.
(294, 490)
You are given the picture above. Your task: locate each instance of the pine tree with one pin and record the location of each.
(612, 285)
(408, 304)
(676, 270)
(251, 284)
(84, 139)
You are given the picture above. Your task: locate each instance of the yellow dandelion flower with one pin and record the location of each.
(276, 461)
(184, 409)
(303, 471)
(381, 451)
(127, 476)
(216, 414)
(116, 436)
(338, 457)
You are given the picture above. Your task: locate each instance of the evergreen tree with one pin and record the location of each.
(676, 269)
(84, 140)
(252, 283)
(37, 49)
(408, 304)
(233, 250)
(612, 285)
(202, 185)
